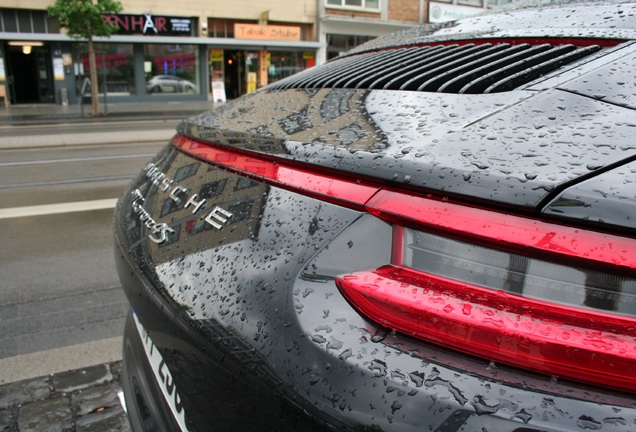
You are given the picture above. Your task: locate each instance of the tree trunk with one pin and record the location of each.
(94, 83)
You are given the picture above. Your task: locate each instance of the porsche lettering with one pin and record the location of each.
(217, 217)
(159, 231)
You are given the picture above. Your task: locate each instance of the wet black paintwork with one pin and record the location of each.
(248, 318)
(511, 150)
(609, 199)
(611, 83)
(517, 150)
(254, 330)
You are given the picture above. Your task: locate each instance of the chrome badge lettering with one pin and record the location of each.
(159, 231)
(217, 217)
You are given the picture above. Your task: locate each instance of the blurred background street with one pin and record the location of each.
(62, 308)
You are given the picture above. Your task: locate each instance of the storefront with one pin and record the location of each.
(152, 57)
(261, 54)
(26, 70)
(149, 56)
(29, 67)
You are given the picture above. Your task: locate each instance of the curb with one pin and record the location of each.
(80, 400)
(43, 141)
(43, 119)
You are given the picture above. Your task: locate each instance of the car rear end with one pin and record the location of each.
(337, 253)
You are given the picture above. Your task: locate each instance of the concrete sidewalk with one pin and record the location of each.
(50, 114)
(160, 133)
(166, 115)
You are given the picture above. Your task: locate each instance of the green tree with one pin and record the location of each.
(83, 21)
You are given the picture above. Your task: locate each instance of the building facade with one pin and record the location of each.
(196, 50)
(344, 24)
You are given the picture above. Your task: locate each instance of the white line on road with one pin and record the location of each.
(65, 182)
(49, 209)
(85, 159)
(84, 139)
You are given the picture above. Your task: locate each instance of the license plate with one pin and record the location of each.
(163, 376)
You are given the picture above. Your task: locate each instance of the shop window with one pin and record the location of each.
(495, 3)
(338, 44)
(222, 28)
(24, 21)
(39, 22)
(373, 5)
(9, 20)
(281, 64)
(171, 69)
(27, 21)
(114, 62)
(478, 3)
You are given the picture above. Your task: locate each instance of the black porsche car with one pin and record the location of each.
(434, 232)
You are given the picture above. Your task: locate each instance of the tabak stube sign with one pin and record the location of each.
(150, 25)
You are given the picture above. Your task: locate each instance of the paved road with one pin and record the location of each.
(61, 305)
(71, 387)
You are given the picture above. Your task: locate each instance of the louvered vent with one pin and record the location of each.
(472, 68)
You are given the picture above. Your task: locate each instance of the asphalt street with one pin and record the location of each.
(62, 306)
(60, 287)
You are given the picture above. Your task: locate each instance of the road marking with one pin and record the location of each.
(49, 209)
(66, 182)
(84, 159)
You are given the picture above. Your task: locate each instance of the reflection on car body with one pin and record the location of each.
(432, 232)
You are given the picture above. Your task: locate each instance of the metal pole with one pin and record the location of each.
(105, 84)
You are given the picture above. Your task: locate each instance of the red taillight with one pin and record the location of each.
(524, 292)
(327, 188)
(504, 230)
(537, 295)
(562, 341)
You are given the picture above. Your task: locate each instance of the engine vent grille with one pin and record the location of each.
(471, 68)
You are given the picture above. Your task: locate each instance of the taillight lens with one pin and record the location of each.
(527, 293)
(278, 173)
(546, 297)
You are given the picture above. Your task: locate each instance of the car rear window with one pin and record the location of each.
(473, 68)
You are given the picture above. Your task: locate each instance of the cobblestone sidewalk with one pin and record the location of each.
(77, 401)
